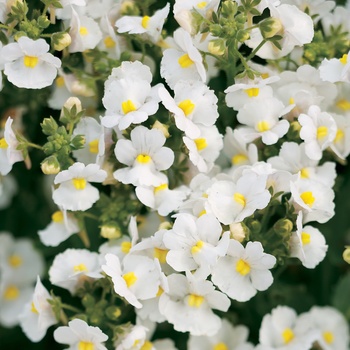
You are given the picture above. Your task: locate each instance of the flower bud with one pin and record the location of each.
(217, 47)
(50, 166)
(346, 254)
(283, 226)
(60, 41)
(162, 127)
(238, 231)
(73, 101)
(129, 7)
(110, 231)
(270, 27)
(166, 225)
(113, 312)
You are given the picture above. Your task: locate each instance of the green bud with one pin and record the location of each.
(346, 254)
(49, 126)
(43, 22)
(88, 301)
(243, 35)
(229, 8)
(19, 34)
(78, 142)
(60, 41)
(113, 312)
(217, 47)
(216, 30)
(283, 226)
(50, 166)
(271, 26)
(110, 231)
(254, 226)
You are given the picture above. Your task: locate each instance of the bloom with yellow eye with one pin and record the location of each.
(28, 64)
(75, 191)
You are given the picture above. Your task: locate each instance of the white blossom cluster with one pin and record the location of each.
(197, 258)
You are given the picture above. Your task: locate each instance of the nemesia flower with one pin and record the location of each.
(132, 339)
(243, 271)
(330, 325)
(73, 267)
(61, 227)
(144, 156)
(194, 104)
(341, 142)
(228, 337)
(182, 63)
(335, 70)
(318, 130)
(188, 305)
(195, 243)
(37, 315)
(149, 26)
(79, 335)
(337, 18)
(137, 278)
(308, 244)
(75, 191)
(28, 64)
(68, 6)
(283, 330)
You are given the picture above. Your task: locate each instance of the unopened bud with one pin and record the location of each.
(238, 231)
(113, 312)
(129, 8)
(110, 232)
(73, 101)
(166, 225)
(50, 166)
(346, 254)
(60, 41)
(162, 127)
(283, 226)
(270, 27)
(217, 47)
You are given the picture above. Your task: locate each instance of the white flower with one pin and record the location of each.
(335, 70)
(73, 267)
(341, 142)
(151, 27)
(194, 104)
(283, 330)
(228, 337)
(331, 326)
(139, 277)
(266, 124)
(195, 243)
(339, 18)
(37, 315)
(182, 63)
(28, 64)
(79, 335)
(189, 303)
(244, 270)
(85, 33)
(144, 156)
(8, 149)
(233, 202)
(61, 227)
(133, 338)
(318, 130)
(75, 191)
(308, 244)
(129, 97)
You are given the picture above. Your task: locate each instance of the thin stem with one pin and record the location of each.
(244, 62)
(29, 144)
(252, 54)
(84, 237)
(71, 308)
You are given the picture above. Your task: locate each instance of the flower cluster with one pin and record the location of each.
(190, 158)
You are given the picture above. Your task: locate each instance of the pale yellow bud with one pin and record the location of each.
(71, 102)
(216, 49)
(62, 42)
(237, 232)
(346, 254)
(110, 232)
(166, 225)
(162, 127)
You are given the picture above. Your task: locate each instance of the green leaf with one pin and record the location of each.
(340, 299)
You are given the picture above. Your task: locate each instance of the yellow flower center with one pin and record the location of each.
(197, 247)
(305, 238)
(202, 4)
(265, 75)
(239, 159)
(130, 278)
(201, 143)
(202, 213)
(220, 346)
(343, 104)
(80, 268)
(322, 132)
(145, 21)
(252, 92)
(125, 247)
(33, 309)
(143, 158)
(287, 335)
(83, 31)
(57, 216)
(344, 59)
(93, 146)
(160, 292)
(160, 254)
(339, 135)
(109, 42)
(328, 337)
(59, 82)
(305, 173)
(86, 345)
(242, 267)
(147, 345)
(15, 261)
(308, 198)
(128, 106)
(187, 106)
(185, 61)
(195, 300)
(30, 61)
(263, 126)
(79, 183)
(240, 199)
(160, 188)
(3, 143)
(11, 293)
(291, 101)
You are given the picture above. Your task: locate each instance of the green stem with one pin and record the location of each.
(90, 216)
(252, 54)
(29, 144)
(71, 308)
(243, 60)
